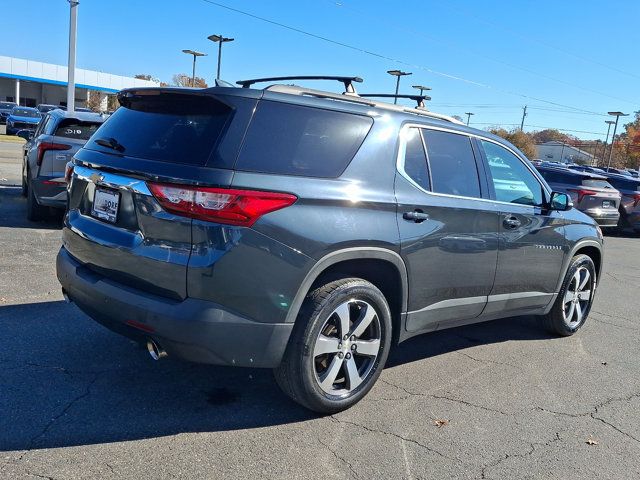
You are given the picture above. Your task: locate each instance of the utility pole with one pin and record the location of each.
(613, 137)
(71, 65)
(468, 114)
(524, 114)
(606, 139)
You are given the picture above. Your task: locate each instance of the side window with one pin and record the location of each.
(513, 182)
(415, 159)
(298, 140)
(452, 163)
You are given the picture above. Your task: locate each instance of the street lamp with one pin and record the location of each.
(422, 88)
(397, 74)
(468, 114)
(613, 137)
(195, 54)
(220, 39)
(606, 139)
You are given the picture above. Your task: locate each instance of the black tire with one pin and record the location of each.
(555, 321)
(35, 211)
(297, 375)
(24, 186)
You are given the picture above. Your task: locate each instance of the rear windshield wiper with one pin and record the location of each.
(111, 143)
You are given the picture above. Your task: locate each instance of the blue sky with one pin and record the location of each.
(561, 58)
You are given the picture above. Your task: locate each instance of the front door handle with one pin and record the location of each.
(511, 222)
(416, 216)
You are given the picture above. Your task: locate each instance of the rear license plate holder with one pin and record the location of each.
(105, 204)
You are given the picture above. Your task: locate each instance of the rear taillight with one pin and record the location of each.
(68, 171)
(582, 192)
(44, 146)
(220, 205)
(636, 198)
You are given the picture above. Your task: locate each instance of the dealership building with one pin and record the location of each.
(30, 83)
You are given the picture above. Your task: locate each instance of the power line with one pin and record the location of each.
(467, 50)
(391, 59)
(529, 39)
(535, 126)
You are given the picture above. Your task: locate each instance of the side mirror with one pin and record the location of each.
(561, 202)
(26, 134)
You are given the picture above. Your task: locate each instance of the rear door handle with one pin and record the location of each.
(415, 216)
(511, 223)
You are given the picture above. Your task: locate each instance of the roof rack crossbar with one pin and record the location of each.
(347, 81)
(419, 99)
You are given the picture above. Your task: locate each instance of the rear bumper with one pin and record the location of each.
(50, 192)
(605, 219)
(191, 329)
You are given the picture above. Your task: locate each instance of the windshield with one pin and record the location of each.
(46, 108)
(25, 112)
(7, 105)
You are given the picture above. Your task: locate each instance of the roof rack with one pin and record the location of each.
(347, 81)
(419, 99)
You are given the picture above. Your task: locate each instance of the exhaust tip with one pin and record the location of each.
(155, 350)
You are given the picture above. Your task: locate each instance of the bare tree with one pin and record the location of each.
(184, 80)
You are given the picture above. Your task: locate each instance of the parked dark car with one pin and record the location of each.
(629, 188)
(590, 193)
(45, 107)
(58, 137)
(22, 118)
(307, 231)
(5, 110)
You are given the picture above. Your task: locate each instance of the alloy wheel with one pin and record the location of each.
(577, 297)
(347, 347)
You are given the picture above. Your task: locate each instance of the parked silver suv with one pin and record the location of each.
(58, 136)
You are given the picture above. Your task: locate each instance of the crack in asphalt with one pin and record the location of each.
(483, 472)
(50, 423)
(395, 435)
(40, 476)
(619, 317)
(342, 459)
(443, 397)
(594, 411)
(483, 360)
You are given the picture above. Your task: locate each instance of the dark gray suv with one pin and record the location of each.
(308, 232)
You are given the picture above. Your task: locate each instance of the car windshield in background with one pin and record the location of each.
(75, 129)
(46, 108)
(5, 105)
(25, 112)
(168, 128)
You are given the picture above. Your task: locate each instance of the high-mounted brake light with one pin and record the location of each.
(582, 192)
(220, 205)
(44, 146)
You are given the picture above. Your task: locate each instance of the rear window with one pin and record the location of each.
(70, 128)
(295, 140)
(165, 127)
(592, 182)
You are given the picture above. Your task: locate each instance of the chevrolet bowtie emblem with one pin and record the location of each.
(96, 177)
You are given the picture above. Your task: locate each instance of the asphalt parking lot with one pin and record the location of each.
(495, 400)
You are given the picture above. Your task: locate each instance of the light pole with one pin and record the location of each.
(422, 88)
(397, 74)
(613, 137)
(220, 39)
(195, 54)
(606, 139)
(468, 114)
(71, 65)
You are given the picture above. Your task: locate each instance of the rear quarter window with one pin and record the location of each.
(297, 140)
(70, 128)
